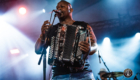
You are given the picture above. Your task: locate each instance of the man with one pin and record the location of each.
(64, 72)
(101, 73)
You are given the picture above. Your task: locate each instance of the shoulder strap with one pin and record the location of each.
(81, 23)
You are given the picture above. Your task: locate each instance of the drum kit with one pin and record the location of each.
(113, 75)
(109, 74)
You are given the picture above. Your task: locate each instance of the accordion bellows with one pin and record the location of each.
(64, 48)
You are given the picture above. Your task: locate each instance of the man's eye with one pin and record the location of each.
(62, 6)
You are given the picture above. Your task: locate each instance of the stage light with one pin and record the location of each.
(14, 51)
(137, 35)
(106, 40)
(25, 47)
(106, 45)
(43, 10)
(22, 10)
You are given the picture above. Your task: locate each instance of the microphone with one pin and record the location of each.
(99, 57)
(58, 12)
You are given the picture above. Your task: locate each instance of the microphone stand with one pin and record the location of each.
(43, 53)
(45, 46)
(103, 62)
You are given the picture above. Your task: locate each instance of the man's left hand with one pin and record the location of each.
(84, 46)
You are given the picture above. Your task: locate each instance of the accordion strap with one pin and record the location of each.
(89, 45)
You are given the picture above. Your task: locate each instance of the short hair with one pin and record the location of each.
(66, 3)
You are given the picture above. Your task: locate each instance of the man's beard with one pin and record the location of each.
(62, 17)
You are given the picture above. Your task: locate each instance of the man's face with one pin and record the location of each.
(63, 7)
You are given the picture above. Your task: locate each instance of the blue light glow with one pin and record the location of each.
(43, 10)
(137, 35)
(27, 59)
(119, 54)
(106, 41)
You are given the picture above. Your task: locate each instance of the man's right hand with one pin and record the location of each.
(44, 27)
(42, 40)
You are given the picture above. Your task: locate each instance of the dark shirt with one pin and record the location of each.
(60, 69)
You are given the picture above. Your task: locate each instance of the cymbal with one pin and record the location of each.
(112, 74)
(118, 74)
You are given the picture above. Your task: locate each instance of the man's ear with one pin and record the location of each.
(71, 10)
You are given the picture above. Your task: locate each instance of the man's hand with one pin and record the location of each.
(84, 46)
(44, 27)
(41, 40)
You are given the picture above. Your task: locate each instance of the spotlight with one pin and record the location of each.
(106, 39)
(22, 10)
(43, 10)
(14, 51)
(137, 35)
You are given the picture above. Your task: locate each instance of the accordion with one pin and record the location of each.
(64, 49)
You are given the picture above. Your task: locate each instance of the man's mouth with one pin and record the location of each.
(61, 14)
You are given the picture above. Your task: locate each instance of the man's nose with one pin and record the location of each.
(59, 8)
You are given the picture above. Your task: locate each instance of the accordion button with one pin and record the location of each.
(79, 57)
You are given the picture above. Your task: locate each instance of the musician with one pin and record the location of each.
(65, 72)
(101, 73)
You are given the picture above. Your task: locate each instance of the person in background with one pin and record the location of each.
(101, 73)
